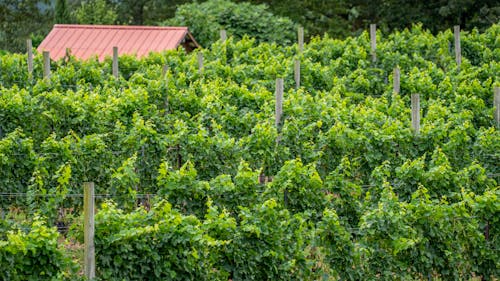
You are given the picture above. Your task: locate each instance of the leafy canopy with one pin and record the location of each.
(95, 12)
(206, 19)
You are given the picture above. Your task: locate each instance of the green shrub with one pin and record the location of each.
(161, 244)
(205, 20)
(34, 255)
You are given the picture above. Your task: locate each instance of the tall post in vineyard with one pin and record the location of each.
(458, 50)
(223, 35)
(164, 76)
(278, 114)
(200, 63)
(373, 41)
(46, 65)
(29, 47)
(496, 104)
(279, 101)
(88, 225)
(300, 35)
(415, 113)
(115, 62)
(396, 79)
(296, 73)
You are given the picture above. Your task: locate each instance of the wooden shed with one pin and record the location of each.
(86, 41)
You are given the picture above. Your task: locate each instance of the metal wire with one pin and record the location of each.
(100, 196)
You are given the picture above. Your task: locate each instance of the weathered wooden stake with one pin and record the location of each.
(279, 101)
(29, 46)
(297, 73)
(200, 63)
(164, 71)
(396, 79)
(373, 41)
(458, 50)
(223, 35)
(115, 62)
(164, 74)
(88, 224)
(46, 65)
(496, 105)
(68, 54)
(415, 113)
(301, 38)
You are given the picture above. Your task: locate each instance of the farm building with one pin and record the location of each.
(86, 41)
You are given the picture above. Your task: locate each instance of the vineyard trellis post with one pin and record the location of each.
(415, 113)
(279, 113)
(200, 63)
(300, 35)
(46, 64)
(89, 227)
(279, 101)
(297, 73)
(373, 41)
(396, 80)
(458, 51)
(496, 105)
(115, 62)
(223, 35)
(29, 46)
(164, 76)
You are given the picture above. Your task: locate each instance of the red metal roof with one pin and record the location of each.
(86, 41)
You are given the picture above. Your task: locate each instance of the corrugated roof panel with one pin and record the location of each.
(136, 41)
(82, 50)
(144, 43)
(156, 41)
(86, 41)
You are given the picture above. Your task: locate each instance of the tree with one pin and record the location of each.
(21, 19)
(95, 12)
(62, 13)
(317, 16)
(239, 19)
(147, 12)
(342, 17)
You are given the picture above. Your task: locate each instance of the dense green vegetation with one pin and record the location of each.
(338, 18)
(355, 193)
(244, 19)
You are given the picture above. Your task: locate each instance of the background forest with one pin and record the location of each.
(268, 20)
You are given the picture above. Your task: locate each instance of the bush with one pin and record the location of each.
(205, 20)
(34, 255)
(161, 244)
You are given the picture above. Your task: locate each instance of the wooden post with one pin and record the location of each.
(223, 35)
(115, 62)
(200, 63)
(46, 65)
(297, 74)
(458, 51)
(415, 113)
(373, 41)
(396, 77)
(88, 224)
(496, 105)
(164, 71)
(300, 34)
(29, 46)
(164, 75)
(68, 54)
(279, 101)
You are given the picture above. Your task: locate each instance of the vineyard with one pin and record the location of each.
(195, 178)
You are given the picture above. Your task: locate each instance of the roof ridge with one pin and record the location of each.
(91, 26)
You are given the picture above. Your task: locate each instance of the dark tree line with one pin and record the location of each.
(21, 19)
(345, 17)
